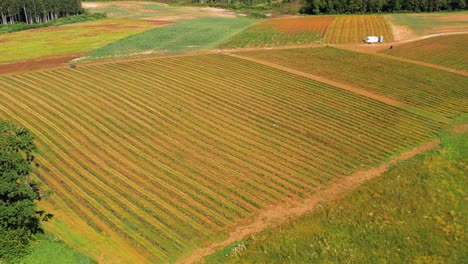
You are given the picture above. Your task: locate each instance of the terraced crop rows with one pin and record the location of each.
(436, 91)
(167, 154)
(450, 51)
(355, 28)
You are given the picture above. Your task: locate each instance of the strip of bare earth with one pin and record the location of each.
(280, 214)
(350, 88)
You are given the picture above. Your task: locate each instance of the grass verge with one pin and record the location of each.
(415, 213)
(51, 250)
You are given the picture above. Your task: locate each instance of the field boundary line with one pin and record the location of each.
(336, 189)
(347, 87)
(420, 63)
(350, 88)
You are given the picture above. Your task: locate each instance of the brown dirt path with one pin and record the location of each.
(350, 88)
(37, 64)
(337, 189)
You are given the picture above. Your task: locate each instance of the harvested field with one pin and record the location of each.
(355, 28)
(449, 51)
(442, 93)
(150, 159)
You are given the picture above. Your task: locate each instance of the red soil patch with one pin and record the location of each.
(4, 40)
(461, 129)
(36, 64)
(294, 25)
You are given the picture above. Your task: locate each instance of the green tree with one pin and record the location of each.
(19, 215)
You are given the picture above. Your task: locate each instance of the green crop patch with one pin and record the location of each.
(184, 36)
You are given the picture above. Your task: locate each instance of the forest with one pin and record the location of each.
(37, 11)
(378, 6)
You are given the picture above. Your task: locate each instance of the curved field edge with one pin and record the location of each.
(154, 158)
(450, 51)
(386, 218)
(272, 217)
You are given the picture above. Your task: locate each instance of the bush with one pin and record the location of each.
(14, 245)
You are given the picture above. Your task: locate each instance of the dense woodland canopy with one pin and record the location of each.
(376, 6)
(36, 11)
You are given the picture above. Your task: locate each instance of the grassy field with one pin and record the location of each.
(150, 159)
(355, 28)
(449, 51)
(436, 91)
(283, 31)
(51, 250)
(66, 40)
(184, 36)
(431, 23)
(414, 213)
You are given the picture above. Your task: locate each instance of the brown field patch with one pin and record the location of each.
(458, 17)
(461, 129)
(36, 64)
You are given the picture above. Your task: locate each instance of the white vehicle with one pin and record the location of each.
(372, 39)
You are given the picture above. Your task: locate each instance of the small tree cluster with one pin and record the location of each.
(19, 215)
(36, 11)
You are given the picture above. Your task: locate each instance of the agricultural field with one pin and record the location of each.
(314, 29)
(66, 41)
(415, 212)
(182, 37)
(150, 159)
(431, 23)
(355, 28)
(439, 92)
(282, 31)
(153, 10)
(449, 51)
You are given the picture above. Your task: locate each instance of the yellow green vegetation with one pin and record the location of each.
(66, 40)
(431, 23)
(149, 159)
(450, 51)
(440, 92)
(416, 212)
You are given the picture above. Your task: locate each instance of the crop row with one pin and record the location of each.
(168, 153)
(450, 51)
(436, 91)
(354, 29)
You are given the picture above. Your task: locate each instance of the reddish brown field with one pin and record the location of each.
(318, 24)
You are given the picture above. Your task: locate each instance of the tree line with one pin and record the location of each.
(36, 11)
(377, 6)
(19, 215)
